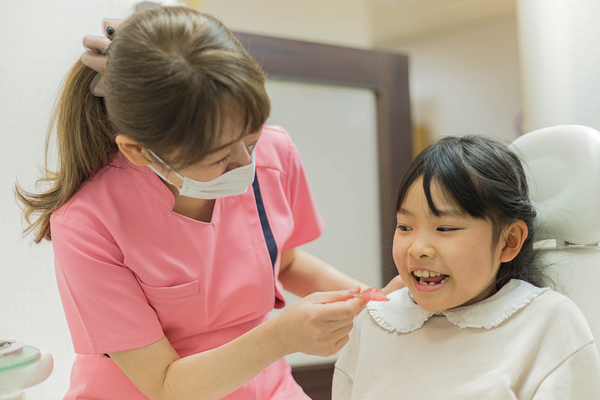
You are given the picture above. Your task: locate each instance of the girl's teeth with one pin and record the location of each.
(422, 281)
(425, 274)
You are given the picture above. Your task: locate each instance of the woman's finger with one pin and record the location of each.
(95, 61)
(97, 85)
(335, 326)
(342, 330)
(340, 344)
(342, 309)
(331, 297)
(97, 44)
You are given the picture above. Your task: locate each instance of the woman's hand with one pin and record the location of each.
(393, 285)
(95, 57)
(319, 323)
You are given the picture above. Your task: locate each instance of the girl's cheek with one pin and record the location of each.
(399, 254)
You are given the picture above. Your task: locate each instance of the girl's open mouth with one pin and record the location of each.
(428, 281)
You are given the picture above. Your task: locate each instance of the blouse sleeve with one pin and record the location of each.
(577, 378)
(342, 386)
(307, 221)
(105, 307)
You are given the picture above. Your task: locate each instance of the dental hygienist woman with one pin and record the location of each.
(167, 262)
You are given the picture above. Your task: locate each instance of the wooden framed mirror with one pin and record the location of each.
(348, 112)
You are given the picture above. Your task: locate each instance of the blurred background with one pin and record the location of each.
(494, 67)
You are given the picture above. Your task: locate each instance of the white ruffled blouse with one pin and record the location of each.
(401, 314)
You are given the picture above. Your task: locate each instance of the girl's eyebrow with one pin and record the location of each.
(444, 212)
(450, 212)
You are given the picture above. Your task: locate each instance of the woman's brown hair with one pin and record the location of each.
(173, 76)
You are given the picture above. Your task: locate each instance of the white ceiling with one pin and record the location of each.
(400, 21)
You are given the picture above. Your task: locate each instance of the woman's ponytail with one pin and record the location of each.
(85, 140)
(173, 78)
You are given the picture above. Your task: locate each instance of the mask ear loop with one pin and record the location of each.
(164, 164)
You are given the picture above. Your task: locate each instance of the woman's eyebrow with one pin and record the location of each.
(227, 144)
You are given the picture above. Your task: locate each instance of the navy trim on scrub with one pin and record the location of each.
(264, 222)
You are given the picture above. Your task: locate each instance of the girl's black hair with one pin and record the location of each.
(485, 180)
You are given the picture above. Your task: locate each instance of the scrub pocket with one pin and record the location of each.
(180, 308)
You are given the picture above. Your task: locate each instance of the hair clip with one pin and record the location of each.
(110, 31)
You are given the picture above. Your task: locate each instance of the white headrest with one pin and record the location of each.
(562, 164)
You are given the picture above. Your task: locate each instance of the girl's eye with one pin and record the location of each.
(404, 228)
(446, 229)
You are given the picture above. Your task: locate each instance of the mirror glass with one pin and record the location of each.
(335, 130)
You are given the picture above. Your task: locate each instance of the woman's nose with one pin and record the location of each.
(240, 156)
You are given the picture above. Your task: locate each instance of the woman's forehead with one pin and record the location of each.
(231, 130)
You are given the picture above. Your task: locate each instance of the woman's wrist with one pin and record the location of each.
(277, 343)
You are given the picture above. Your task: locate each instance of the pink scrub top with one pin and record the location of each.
(131, 270)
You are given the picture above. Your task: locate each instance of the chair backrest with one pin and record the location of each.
(562, 164)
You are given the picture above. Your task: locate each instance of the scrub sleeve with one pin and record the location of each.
(131, 271)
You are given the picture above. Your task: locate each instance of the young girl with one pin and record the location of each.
(167, 263)
(474, 321)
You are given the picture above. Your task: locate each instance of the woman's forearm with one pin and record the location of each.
(160, 374)
(304, 273)
(216, 373)
(317, 324)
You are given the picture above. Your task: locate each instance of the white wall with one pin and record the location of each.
(42, 40)
(337, 22)
(467, 82)
(560, 62)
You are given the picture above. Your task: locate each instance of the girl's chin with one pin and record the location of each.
(429, 297)
(432, 306)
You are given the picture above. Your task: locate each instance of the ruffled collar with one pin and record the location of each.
(400, 314)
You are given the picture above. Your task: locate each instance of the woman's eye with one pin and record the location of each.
(404, 228)
(222, 160)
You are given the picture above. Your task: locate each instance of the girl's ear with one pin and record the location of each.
(133, 151)
(514, 237)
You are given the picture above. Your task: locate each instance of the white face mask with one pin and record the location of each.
(231, 183)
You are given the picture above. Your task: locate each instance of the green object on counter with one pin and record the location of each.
(29, 355)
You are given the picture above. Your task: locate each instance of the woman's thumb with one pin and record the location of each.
(334, 296)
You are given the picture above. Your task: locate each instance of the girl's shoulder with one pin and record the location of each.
(556, 309)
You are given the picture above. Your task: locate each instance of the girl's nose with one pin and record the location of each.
(420, 248)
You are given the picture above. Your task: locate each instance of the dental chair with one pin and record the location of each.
(21, 367)
(562, 164)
